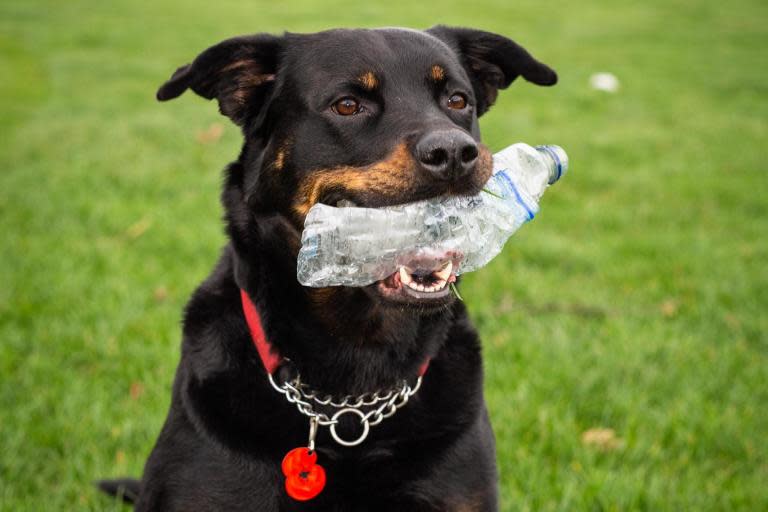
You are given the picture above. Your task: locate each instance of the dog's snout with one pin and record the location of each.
(447, 155)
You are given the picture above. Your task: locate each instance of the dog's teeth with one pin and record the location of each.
(439, 278)
(445, 272)
(344, 203)
(405, 277)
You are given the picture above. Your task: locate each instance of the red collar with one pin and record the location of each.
(269, 356)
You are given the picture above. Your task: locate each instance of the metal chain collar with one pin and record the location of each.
(380, 405)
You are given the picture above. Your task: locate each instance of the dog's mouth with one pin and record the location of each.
(420, 281)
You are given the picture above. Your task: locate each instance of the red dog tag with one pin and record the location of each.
(304, 479)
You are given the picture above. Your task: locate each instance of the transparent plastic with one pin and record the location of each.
(354, 246)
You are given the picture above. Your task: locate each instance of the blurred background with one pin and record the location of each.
(625, 330)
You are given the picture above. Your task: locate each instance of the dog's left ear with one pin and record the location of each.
(238, 72)
(492, 62)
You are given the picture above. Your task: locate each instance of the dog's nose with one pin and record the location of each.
(447, 154)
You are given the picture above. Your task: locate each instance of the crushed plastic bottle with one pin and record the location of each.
(354, 246)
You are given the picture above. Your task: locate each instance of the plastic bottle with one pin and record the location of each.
(355, 246)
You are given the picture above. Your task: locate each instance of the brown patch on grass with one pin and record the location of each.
(160, 294)
(136, 390)
(138, 228)
(368, 80)
(211, 134)
(604, 439)
(669, 307)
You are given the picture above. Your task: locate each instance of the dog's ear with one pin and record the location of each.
(238, 72)
(492, 62)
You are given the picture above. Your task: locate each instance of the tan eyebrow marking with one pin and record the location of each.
(437, 73)
(280, 160)
(282, 154)
(368, 80)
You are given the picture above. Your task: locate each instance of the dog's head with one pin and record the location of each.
(375, 117)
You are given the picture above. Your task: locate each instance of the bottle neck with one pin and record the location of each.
(556, 162)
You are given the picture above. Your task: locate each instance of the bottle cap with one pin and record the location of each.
(559, 157)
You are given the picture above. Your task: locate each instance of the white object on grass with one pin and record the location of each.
(604, 82)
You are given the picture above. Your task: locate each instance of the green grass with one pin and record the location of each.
(635, 302)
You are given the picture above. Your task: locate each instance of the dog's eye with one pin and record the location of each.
(347, 106)
(457, 101)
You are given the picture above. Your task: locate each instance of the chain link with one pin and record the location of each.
(384, 404)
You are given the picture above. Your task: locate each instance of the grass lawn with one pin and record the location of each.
(625, 331)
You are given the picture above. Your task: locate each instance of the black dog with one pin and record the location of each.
(375, 117)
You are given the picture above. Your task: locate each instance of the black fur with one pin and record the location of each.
(126, 489)
(227, 429)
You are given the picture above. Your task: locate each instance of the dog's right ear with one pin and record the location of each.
(238, 72)
(492, 62)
